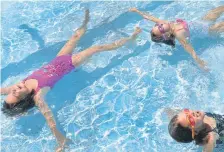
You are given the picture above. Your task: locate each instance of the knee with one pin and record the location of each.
(76, 59)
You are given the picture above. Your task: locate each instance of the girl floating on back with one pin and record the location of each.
(206, 129)
(167, 31)
(31, 91)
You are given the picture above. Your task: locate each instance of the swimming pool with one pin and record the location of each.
(114, 102)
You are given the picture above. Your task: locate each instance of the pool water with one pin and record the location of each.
(115, 101)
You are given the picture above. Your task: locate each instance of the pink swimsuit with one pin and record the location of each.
(49, 74)
(185, 26)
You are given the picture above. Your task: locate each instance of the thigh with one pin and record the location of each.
(79, 58)
(217, 27)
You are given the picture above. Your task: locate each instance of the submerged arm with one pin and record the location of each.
(191, 51)
(45, 110)
(147, 16)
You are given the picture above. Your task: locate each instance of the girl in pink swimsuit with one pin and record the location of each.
(31, 91)
(166, 32)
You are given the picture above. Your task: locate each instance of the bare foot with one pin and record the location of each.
(136, 32)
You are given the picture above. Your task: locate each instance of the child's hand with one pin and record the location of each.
(203, 65)
(61, 139)
(64, 144)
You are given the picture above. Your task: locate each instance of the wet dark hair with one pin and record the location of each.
(184, 134)
(201, 137)
(178, 132)
(159, 39)
(20, 107)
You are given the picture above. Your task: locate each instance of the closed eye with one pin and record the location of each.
(19, 86)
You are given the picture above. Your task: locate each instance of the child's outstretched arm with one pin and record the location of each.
(46, 112)
(147, 16)
(191, 51)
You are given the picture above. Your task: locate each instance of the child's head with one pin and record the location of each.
(19, 100)
(182, 126)
(160, 33)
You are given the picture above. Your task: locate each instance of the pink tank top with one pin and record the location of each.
(49, 74)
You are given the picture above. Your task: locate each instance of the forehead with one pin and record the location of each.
(155, 30)
(10, 99)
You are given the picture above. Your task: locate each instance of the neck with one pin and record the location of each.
(202, 127)
(29, 87)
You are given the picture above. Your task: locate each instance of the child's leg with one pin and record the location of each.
(70, 45)
(213, 14)
(217, 28)
(79, 58)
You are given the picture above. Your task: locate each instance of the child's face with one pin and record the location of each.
(197, 116)
(17, 93)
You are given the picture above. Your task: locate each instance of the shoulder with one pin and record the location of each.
(212, 137)
(40, 94)
(210, 143)
(210, 121)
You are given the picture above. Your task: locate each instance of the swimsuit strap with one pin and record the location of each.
(213, 130)
(219, 129)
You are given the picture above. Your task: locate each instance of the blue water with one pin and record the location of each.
(115, 101)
